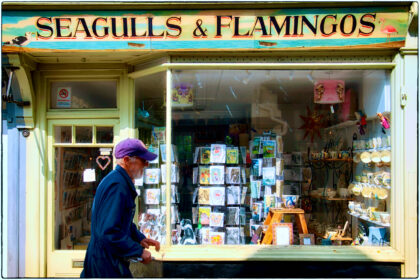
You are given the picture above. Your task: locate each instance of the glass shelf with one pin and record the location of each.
(365, 218)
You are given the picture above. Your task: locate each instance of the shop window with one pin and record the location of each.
(62, 134)
(84, 134)
(104, 134)
(83, 94)
(150, 122)
(308, 142)
(78, 172)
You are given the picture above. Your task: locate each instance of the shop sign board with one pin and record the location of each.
(356, 27)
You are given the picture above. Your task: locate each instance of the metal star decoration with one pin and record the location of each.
(313, 122)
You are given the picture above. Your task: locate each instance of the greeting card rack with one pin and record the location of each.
(219, 174)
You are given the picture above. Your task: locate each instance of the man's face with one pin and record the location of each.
(135, 166)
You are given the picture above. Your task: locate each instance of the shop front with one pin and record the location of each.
(284, 133)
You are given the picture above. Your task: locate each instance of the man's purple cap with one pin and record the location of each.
(133, 147)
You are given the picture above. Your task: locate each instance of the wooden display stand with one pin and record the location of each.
(275, 216)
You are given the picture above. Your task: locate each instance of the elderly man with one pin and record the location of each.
(114, 237)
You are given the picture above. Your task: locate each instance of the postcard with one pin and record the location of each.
(269, 148)
(257, 211)
(154, 149)
(233, 195)
(256, 143)
(205, 235)
(269, 202)
(217, 174)
(243, 173)
(216, 219)
(195, 175)
(255, 189)
(204, 175)
(204, 215)
(173, 173)
(243, 154)
(151, 176)
(196, 154)
(232, 155)
(256, 167)
(218, 153)
(158, 134)
(203, 196)
(269, 176)
(243, 195)
(242, 216)
(205, 155)
(217, 238)
(232, 216)
(217, 196)
(232, 235)
(233, 175)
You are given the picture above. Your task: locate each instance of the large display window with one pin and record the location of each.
(283, 157)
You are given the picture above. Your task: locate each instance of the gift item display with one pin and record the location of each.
(275, 157)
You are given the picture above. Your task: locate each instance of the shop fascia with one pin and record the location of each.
(174, 26)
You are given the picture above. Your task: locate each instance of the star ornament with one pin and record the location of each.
(313, 122)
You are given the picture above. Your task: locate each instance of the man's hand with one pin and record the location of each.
(146, 256)
(145, 243)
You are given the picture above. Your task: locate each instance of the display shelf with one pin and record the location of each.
(332, 198)
(372, 150)
(332, 160)
(368, 220)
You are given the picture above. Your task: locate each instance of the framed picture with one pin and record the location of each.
(282, 234)
(306, 239)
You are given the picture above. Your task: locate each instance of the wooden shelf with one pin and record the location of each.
(368, 220)
(333, 198)
(332, 160)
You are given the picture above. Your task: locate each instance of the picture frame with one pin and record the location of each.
(307, 239)
(282, 234)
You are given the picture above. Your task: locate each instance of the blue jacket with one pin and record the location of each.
(114, 236)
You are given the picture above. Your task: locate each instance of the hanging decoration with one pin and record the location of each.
(182, 95)
(103, 162)
(329, 92)
(384, 122)
(313, 124)
(361, 122)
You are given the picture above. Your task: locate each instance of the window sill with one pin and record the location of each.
(277, 253)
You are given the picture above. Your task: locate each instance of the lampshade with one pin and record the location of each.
(329, 92)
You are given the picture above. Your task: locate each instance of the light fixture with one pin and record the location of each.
(233, 92)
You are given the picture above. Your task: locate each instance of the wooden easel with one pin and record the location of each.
(275, 216)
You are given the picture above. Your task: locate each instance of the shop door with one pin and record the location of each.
(79, 156)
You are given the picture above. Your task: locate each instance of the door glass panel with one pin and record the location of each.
(74, 194)
(104, 134)
(83, 134)
(62, 134)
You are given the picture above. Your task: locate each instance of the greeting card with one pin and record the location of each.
(203, 196)
(232, 155)
(218, 153)
(205, 155)
(243, 173)
(255, 189)
(155, 150)
(269, 176)
(232, 235)
(233, 195)
(205, 235)
(158, 134)
(174, 171)
(256, 167)
(217, 238)
(269, 202)
(269, 148)
(242, 216)
(257, 211)
(217, 174)
(233, 175)
(243, 154)
(243, 195)
(217, 196)
(196, 154)
(204, 215)
(204, 175)
(152, 196)
(163, 153)
(173, 193)
(195, 175)
(151, 176)
(216, 219)
(256, 142)
(232, 216)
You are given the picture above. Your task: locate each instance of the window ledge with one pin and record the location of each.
(277, 253)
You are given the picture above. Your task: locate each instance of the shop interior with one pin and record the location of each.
(309, 143)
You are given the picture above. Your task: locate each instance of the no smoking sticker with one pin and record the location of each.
(64, 97)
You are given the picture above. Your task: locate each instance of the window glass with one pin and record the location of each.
(104, 134)
(150, 122)
(78, 172)
(62, 134)
(307, 144)
(84, 134)
(83, 95)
